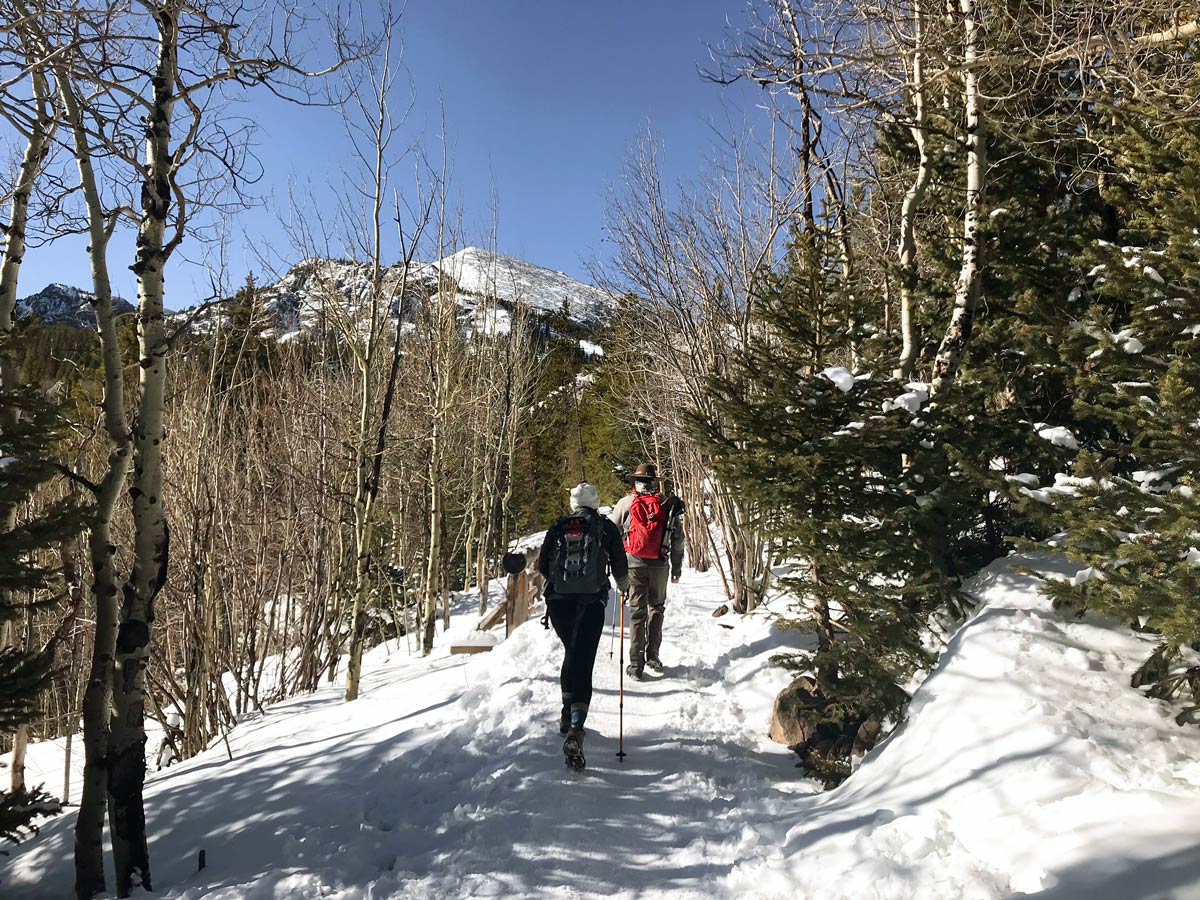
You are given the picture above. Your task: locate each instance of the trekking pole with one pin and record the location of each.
(612, 645)
(621, 693)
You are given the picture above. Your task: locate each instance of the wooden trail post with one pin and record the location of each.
(523, 594)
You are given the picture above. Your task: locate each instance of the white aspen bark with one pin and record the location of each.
(71, 713)
(358, 618)
(97, 699)
(834, 196)
(364, 493)
(375, 447)
(434, 575)
(808, 139)
(362, 536)
(958, 332)
(17, 764)
(333, 623)
(66, 790)
(912, 202)
(127, 745)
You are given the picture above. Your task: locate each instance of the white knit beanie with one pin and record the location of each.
(583, 494)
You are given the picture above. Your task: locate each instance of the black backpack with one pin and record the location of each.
(578, 561)
(675, 510)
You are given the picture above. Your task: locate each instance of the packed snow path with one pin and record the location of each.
(446, 778)
(1028, 768)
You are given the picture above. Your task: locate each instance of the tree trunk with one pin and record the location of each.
(127, 756)
(962, 320)
(372, 437)
(20, 746)
(827, 672)
(912, 202)
(362, 541)
(101, 551)
(97, 699)
(36, 146)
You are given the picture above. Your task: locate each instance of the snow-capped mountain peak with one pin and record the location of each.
(480, 272)
(305, 293)
(61, 304)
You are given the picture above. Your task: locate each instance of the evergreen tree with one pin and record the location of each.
(26, 583)
(847, 479)
(1134, 519)
(609, 443)
(1043, 207)
(549, 458)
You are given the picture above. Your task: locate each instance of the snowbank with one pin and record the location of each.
(1028, 767)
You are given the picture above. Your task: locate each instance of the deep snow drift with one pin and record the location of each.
(1028, 767)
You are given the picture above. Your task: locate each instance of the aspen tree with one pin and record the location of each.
(966, 292)
(101, 224)
(38, 132)
(156, 90)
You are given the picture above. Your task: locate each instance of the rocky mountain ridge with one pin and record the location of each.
(313, 288)
(61, 304)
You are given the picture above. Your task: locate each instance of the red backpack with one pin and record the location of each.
(647, 527)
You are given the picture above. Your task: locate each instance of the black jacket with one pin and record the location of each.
(613, 545)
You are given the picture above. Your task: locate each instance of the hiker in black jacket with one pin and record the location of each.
(579, 552)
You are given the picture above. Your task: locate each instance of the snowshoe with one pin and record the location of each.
(573, 749)
(635, 672)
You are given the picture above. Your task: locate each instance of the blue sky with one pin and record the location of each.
(543, 99)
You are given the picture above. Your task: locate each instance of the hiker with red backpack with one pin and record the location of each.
(652, 528)
(579, 552)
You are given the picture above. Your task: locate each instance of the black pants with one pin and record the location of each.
(578, 622)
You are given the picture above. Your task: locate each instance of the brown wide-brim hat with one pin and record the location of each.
(645, 470)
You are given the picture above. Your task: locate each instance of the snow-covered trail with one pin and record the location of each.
(445, 779)
(1027, 767)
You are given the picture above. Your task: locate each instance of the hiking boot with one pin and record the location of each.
(573, 749)
(635, 671)
(655, 663)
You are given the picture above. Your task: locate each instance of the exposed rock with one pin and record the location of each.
(60, 304)
(868, 734)
(797, 709)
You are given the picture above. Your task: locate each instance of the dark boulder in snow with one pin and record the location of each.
(797, 711)
(800, 720)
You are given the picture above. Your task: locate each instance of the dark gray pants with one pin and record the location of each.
(647, 597)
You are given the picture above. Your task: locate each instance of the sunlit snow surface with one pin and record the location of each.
(510, 280)
(1028, 767)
